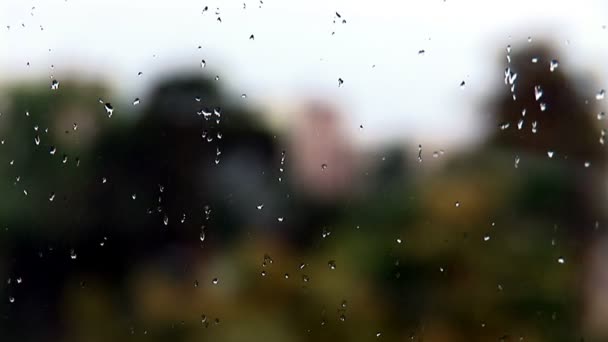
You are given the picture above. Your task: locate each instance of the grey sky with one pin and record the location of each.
(405, 96)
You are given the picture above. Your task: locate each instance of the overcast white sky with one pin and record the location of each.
(405, 96)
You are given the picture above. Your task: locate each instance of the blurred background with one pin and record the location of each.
(303, 171)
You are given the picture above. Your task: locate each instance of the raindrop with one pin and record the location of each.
(587, 164)
(520, 124)
(510, 77)
(54, 85)
(553, 65)
(399, 241)
(550, 154)
(457, 204)
(534, 60)
(73, 254)
(52, 150)
(534, 126)
(323, 166)
(37, 139)
(109, 109)
(486, 238)
(136, 101)
(600, 95)
(340, 82)
(504, 126)
(11, 299)
(561, 260)
(134, 196)
(421, 52)
(267, 260)
(462, 84)
(543, 106)
(260, 206)
(203, 63)
(51, 196)
(538, 92)
(331, 264)
(280, 219)
(215, 281)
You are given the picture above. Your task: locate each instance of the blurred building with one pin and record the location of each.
(321, 156)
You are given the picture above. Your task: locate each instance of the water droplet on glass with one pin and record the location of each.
(561, 260)
(54, 85)
(587, 164)
(37, 139)
(203, 63)
(51, 196)
(550, 154)
(486, 238)
(323, 166)
(457, 204)
(109, 109)
(136, 101)
(534, 60)
(340, 82)
(462, 85)
(331, 264)
(73, 254)
(543, 106)
(260, 206)
(600, 95)
(280, 219)
(11, 299)
(553, 65)
(215, 281)
(538, 92)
